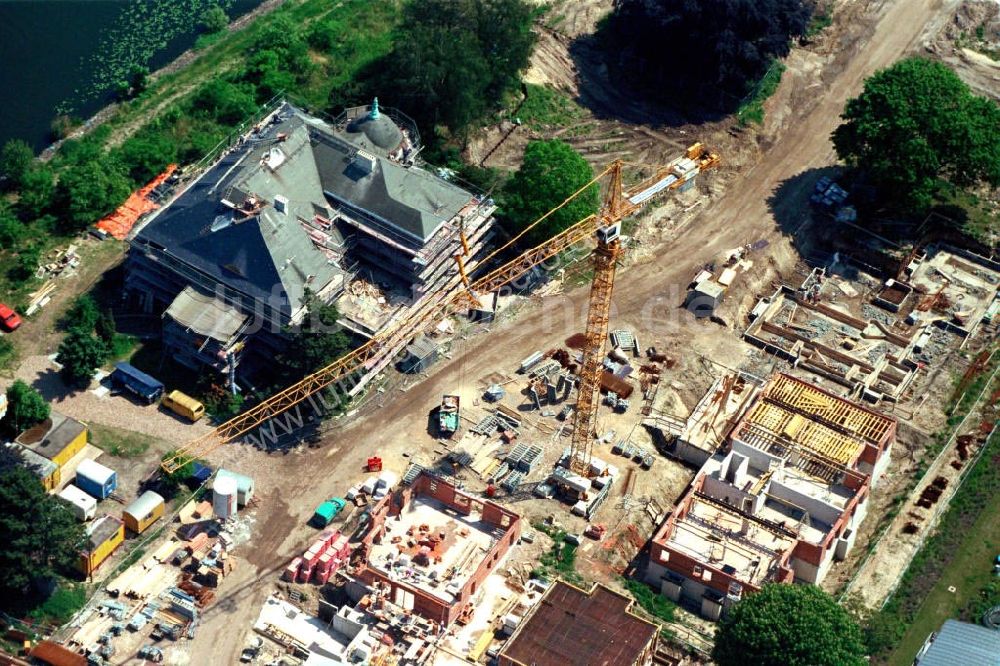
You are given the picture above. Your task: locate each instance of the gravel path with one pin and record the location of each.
(116, 411)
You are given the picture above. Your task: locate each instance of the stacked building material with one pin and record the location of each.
(325, 556)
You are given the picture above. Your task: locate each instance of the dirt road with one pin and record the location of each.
(647, 297)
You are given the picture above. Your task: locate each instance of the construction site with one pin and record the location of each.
(704, 464)
(671, 392)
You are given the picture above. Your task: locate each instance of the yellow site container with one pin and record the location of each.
(105, 535)
(143, 512)
(183, 404)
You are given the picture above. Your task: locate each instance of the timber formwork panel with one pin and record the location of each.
(853, 420)
(837, 447)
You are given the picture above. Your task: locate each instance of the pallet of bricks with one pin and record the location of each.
(329, 552)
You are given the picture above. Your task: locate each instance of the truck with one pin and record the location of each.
(448, 415)
(126, 377)
(327, 511)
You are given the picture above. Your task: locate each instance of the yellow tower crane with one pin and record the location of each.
(606, 225)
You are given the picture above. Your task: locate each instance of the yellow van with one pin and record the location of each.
(183, 404)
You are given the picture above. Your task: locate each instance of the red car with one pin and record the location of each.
(8, 318)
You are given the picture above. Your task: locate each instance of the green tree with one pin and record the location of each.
(89, 191)
(316, 343)
(551, 172)
(147, 154)
(82, 315)
(37, 188)
(25, 407)
(494, 39)
(728, 45)
(139, 79)
(41, 535)
(214, 19)
(11, 229)
(915, 123)
(788, 625)
(16, 157)
(265, 71)
(170, 482)
(81, 353)
(225, 102)
(286, 38)
(24, 267)
(219, 400)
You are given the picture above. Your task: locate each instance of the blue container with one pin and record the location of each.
(201, 473)
(95, 479)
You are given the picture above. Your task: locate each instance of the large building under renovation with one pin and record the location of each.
(340, 209)
(779, 502)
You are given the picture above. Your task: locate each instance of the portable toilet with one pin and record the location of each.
(143, 512)
(95, 479)
(84, 506)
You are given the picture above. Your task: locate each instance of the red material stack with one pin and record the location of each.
(292, 571)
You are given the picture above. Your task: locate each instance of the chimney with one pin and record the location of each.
(281, 204)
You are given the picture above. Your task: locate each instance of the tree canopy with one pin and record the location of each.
(41, 534)
(81, 353)
(214, 19)
(788, 625)
(90, 190)
(16, 157)
(914, 123)
(454, 60)
(551, 172)
(25, 407)
(317, 342)
(11, 229)
(702, 54)
(146, 154)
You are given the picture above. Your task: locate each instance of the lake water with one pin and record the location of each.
(58, 55)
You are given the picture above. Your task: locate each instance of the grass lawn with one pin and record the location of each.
(970, 571)
(121, 443)
(544, 107)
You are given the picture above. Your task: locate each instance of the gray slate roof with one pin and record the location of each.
(269, 256)
(964, 644)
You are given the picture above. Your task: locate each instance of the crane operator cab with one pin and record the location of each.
(609, 234)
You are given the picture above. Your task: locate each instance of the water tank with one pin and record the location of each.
(224, 497)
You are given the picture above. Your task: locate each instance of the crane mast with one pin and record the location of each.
(598, 315)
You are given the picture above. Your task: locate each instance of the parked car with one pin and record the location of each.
(9, 320)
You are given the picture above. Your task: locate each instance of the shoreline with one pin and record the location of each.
(187, 57)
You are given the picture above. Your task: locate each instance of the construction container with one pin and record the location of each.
(244, 485)
(48, 472)
(127, 377)
(184, 405)
(95, 479)
(143, 512)
(103, 537)
(224, 497)
(57, 438)
(84, 506)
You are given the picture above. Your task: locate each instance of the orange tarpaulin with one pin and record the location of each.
(120, 222)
